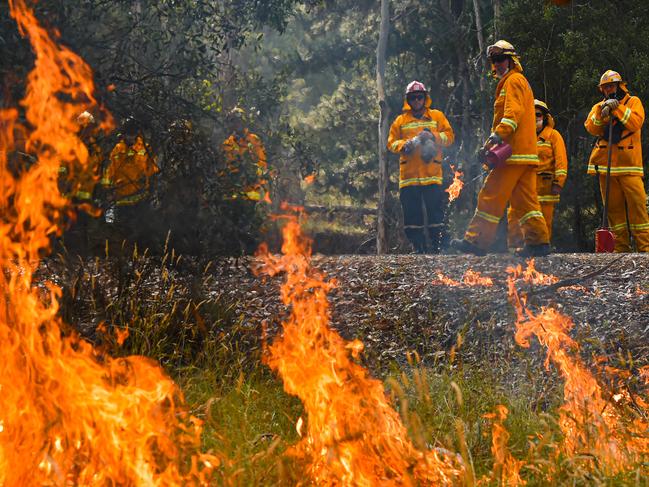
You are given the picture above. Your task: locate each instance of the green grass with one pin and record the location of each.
(249, 420)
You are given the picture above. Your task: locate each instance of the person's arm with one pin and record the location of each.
(108, 174)
(444, 136)
(560, 162)
(395, 142)
(595, 124)
(631, 115)
(151, 162)
(259, 153)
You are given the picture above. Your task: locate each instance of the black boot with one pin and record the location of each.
(538, 250)
(466, 247)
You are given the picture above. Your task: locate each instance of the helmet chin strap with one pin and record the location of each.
(503, 74)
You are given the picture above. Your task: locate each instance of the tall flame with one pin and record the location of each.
(506, 470)
(592, 424)
(353, 435)
(456, 186)
(69, 416)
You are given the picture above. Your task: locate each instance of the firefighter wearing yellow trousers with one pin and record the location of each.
(515, 180)
(418, 135)
(550, 175)
(627, 193)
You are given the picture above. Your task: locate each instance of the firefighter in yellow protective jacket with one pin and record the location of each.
(418, 135)
(127, 177)
(550, 175)
(241, 148)
(76, 181)
(515, 180)
(626, 184)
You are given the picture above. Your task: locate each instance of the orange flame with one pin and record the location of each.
(473, 278)
(470, 278)
(506, 470)
(591, 424)
(443, 280)
(68, 415)
(309, 179)
(352, 434)
(456, 186)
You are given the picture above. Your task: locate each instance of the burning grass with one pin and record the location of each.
(74, 413)
(251, 421)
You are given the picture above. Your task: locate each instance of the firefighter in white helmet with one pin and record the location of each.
(418, 135)
(550, 175)
(627, 192)
(515, 179)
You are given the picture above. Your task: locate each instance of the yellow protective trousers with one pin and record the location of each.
(547, 200)
(629, 191)
(516, 184)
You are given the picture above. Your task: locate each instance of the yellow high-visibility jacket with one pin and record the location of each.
(552, 154)
(514, 120)
(413, 171)
(626, 156)
(129, 170)
(79, 181)
(235, 148)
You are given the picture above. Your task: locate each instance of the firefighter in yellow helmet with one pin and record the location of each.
(514, 180)
(241, 149)
(418, 135)
(550, 175)
(76, 181)
(626, 185)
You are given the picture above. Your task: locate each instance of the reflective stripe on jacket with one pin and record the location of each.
(514, 120)
(413, 171)
(626, 156)
(79, 180)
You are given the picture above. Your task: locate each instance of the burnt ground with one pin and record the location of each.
(392, 304)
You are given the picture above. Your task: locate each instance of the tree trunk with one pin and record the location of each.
(381, 239)
(497, 8)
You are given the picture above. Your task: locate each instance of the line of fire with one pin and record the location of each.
(234, 251)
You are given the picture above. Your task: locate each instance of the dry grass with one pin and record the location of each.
(174, 316)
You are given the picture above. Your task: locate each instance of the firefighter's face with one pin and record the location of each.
(609, 88)
(501, 63)
(237, 125)
(539, 120)
(129, 139)
(416, 100)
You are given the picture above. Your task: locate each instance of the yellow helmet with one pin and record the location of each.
(610, 76)
(501, 47)
(542, 105)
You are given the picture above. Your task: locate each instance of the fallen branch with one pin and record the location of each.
(571, 281)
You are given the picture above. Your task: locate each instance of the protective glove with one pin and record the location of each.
(494, 139)
(609, 106)
(409, 146)
(556, 189)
